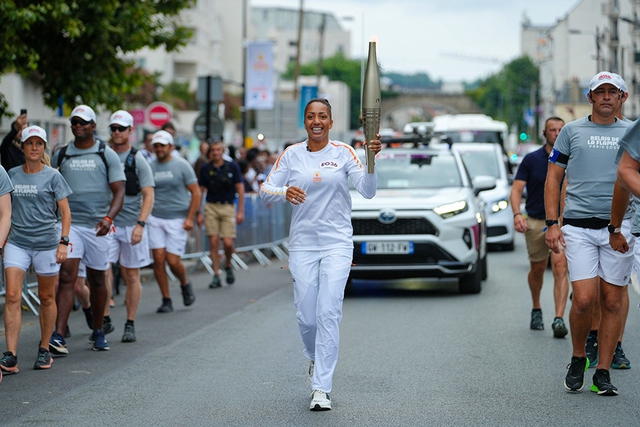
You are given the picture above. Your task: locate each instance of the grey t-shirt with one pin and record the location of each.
(172, 199)
(631, 144)
(588, 152)
(86, 174)
(132, 204)
(35, 206)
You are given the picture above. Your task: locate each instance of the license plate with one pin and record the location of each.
(369, 248)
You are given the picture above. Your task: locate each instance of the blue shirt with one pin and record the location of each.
(533, 171)
(220, 189)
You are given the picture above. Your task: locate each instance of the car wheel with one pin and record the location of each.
(485, 270)
(472, 283)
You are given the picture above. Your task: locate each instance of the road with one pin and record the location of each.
(413, 353)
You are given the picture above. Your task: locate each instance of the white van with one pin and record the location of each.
(472, 128)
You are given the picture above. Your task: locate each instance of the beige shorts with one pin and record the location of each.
(220, 219)
(536, 246)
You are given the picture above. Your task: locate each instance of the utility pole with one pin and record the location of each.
(323, 23)
(296, 72)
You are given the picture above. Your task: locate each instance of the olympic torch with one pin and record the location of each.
(371, 102)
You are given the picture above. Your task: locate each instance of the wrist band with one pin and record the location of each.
(515, 215)
(108, 219)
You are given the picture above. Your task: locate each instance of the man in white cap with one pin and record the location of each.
(95, 176)
(130, 246)
(586, 150)
(177, 199)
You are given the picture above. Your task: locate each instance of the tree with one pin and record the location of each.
(76, 50)
(506, 94)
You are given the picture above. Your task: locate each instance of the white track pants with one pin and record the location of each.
(319, 278)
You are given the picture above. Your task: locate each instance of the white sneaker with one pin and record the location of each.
(311, 364)
(320, 401)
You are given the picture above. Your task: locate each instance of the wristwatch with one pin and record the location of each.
(613, 230)
(64, 240)
(142, 223)
(551, 222)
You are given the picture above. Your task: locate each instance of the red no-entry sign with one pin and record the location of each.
(158, 113)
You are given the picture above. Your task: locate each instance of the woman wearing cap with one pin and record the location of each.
(39, 193)
(313, 176)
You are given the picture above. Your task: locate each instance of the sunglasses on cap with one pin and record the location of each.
(118, 128)
(76, 122)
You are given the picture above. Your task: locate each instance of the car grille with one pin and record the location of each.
(368, 227)
(496, 231)
(424, 254)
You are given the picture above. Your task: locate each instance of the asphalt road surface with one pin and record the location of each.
(413, 353)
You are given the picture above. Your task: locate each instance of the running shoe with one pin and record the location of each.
(57, 344)
(44, 360)
(320, 401)
(88, 316)
(592, 350)
(536, 320)
(99, 341)
(129, 333)
(9, 363)
(230, 277)
(215, 283)
(188, 297)
(311, 366)
(574, 381)
(619, 360)
(166, 306)
(559, 328)
(107, 325)
(602, 383)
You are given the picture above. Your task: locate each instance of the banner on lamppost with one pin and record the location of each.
(259, 81)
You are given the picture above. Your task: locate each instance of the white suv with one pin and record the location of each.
(425, 220)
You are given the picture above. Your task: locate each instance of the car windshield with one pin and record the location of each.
(416, 170)
(474, 136)
(481, 163)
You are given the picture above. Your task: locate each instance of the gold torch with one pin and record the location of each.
(371, 102)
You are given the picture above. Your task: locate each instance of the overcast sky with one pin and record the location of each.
(452, 40)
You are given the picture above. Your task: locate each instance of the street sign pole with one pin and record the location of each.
(207, 108)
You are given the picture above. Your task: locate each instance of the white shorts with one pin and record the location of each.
(82, 270)
(589, 254)
(44, 262)
(129, 256)
(167, 234)
(91, 249)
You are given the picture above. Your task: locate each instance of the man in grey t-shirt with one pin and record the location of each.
(177, 198)
(585, 150)
(130, 247)
(97, 181)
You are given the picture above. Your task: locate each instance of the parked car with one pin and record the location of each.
(425, 220)
(489, 159)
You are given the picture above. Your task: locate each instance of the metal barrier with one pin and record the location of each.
(265, 227)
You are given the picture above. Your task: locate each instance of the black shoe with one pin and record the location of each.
(230, 277)
(602, 383)
(129, 333)
(592, 350)
(9, 363)
(44, 360)
(574, 381)
(88, 315)
(188, 297)
(215, 283)
(559, 328)
(619, 360)
(166, 306)
(107, 326)
(536, 320)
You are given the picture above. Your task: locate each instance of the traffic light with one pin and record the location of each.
(524, 136)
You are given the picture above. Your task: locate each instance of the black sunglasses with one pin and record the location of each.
(76, 122)
(118, 128)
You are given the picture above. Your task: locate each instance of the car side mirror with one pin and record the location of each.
(483, 183)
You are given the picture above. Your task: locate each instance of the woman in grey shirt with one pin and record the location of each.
(39, 193)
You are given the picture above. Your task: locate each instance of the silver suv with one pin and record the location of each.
(425, 220)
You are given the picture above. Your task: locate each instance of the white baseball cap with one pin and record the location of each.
(34, 131)
(604, 77)
(623, 85)
(122, 118)
(162, 137)
(85, 113)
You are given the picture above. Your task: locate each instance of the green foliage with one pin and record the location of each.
(178, 95)
(505, 95)
(413, 81)
(77, 49)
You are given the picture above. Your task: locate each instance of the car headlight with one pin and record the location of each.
(451, 209)
(499, 206)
